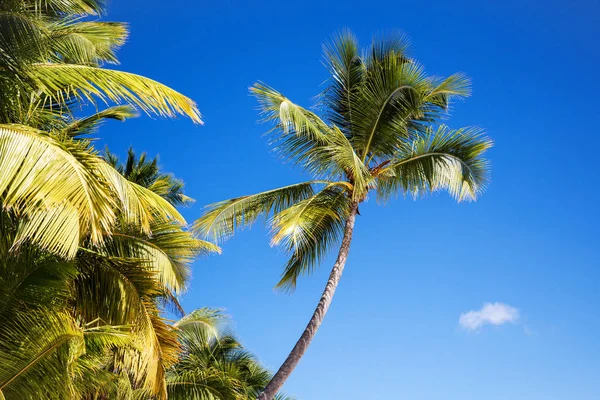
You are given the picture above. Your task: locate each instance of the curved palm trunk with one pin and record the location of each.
(315, 322)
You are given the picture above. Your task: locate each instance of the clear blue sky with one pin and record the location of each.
(415, 266)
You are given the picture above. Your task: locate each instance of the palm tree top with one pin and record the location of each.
(377, 131)
(146, 173)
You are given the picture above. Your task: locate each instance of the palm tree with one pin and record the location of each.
(213, 364)
(147, 174)
(51, 62)
(89, 257)
(378, 133)
(106, 303)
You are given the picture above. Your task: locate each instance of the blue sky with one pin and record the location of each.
(415, 267)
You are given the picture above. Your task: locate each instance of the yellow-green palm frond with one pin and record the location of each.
(35, 350)
(55, 187)
(220, 220)
(61, 81)
(308, 229)
(343, 58)
(85, 42)
(303, 138)
(138, 205)
(169, 251)
(87, 125)
(123, 292)
(69, 7)
(440, 159)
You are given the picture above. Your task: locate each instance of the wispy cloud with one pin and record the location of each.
(490, 313)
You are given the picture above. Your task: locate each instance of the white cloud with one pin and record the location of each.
(490, 313)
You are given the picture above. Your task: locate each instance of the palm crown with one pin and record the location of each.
(377, 131)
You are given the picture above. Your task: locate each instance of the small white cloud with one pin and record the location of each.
(490, 313)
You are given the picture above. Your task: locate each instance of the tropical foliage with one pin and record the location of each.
(377, 132)
(91, 253)
(213, 364)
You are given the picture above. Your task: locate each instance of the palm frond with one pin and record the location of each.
(87, 125)
(61, 81)
(138, 206)
(441, 159)
(54, 186)
(222, 218)
(308, 229)
(70, 7)
(303, 138)
(85, 42)
(169, 251)
(342, 57)
(34, 352)
(121, 292)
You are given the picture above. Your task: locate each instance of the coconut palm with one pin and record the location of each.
(377, 133)
(213, 364)
(90, 258)
(146, 173)
(107, 303)
(51, 62)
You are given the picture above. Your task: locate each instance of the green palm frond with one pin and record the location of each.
(61, 81)
(213, 364)
(222, 218)
(441, 159)
(303, 138)
(85, 42)
(87, 125)
(146, 172)
(308, 229)
(34, 353)
(169, 251)
(342, 57)
(55, 187)
(139, 206)
(121, 292)
(70, 7)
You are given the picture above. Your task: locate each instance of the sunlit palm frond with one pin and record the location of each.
(221, 219)
(205, 322)
(85, 42)
(60, 81)
(55, 187)
(213, 364)
(441, 159)
(69, 7)
(21, 41)
(308, 229)
(146, 172)
(138, 206)
(87, 125)
(343, 58)
(169, 251)
(303, 138)
(122, 292)
(391, 96)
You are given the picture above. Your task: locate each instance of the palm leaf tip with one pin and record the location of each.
(442, 159)
(92, 83)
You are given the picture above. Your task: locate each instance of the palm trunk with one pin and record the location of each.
(315, 322)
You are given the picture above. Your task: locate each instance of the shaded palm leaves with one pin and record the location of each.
(213, 364)
(379, 132)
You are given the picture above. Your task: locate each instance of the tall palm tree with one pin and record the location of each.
(377, 133)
